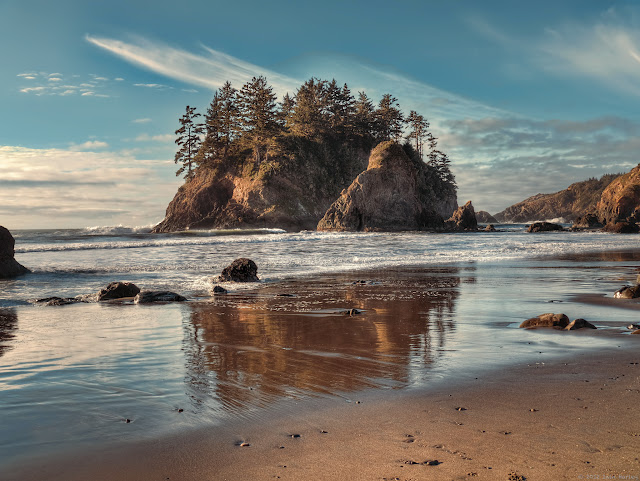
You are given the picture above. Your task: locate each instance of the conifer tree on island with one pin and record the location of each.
(189, 141)
(419, 131)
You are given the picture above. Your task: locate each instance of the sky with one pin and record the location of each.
(524, 97)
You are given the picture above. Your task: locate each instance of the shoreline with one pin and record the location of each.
(570, 418)
(400, 419)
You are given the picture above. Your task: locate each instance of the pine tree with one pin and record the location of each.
(389, 119)
(259, 117)
(419, 131)
(222, 125)
(286, 110)
(309, 117)
(364, 116)
(189, 141)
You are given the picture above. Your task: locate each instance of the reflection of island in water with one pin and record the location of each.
(294, 338)
(8, 326)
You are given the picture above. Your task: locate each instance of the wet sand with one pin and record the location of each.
(431, 381)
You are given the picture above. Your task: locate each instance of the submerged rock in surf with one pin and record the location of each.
(558, 321)
(146, 297)
(118, 290)
(544, 227)
(219, 290)
(9, 267)
(622, 227)
(55, 301)
(240, 270)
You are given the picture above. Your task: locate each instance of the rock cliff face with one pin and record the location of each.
(293, 197)
(395, 193)
(578, 199)
(464, 218)
(620, 201)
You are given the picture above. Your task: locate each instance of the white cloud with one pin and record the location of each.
(51, 84)
(142, 121)
(155, 138)
(89, 145)
(67, 188)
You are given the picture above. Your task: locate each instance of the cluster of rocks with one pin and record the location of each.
(240, 270)
(9, 267)
(556, 321)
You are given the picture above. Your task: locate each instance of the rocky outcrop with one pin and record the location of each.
(483, 217)
(622, 227)
(544, 227)
(579, 324)
(240, 270)
(464, 218)
(9, 267)
(576, 200)
(587, 221)
(118, 290)
(395, 193)
(620, 201)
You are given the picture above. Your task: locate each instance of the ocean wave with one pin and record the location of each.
(117, 230)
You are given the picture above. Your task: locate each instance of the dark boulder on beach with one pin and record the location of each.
(9, 267)
(147, 297)
(240, 270)
(483, 217)
(219, 290)
(622, 227)
(544, 227)
(579, 324)
(464, 218)
(490, 228)
(118, 290)
(627, 292)
(558, 321)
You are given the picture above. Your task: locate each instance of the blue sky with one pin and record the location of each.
(525, 98)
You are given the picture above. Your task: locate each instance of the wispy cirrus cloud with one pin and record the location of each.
(209, 70)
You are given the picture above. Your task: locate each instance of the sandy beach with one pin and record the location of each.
(430, 379)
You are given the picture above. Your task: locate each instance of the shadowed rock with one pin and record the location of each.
(490, 228)
(587, 221)
(219, 290)
(544, 227)
(558, 321)
(147, 297)
(579, 324)
(118, 290)
(240, 270)
(9, 267)
(622, 227)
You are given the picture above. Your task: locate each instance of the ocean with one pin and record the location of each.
(432, 308)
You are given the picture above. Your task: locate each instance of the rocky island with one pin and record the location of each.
(299, 163)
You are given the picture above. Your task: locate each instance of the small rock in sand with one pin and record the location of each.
(240, 270)
(558, 321)
(146, 297)
(579, 324)
(118, 290)
(627, 292)
(219, 290)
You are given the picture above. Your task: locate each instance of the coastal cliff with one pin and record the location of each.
(395, 193)
(578, 199)
(620, 201)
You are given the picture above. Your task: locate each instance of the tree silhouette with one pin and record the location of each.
(189, 141)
